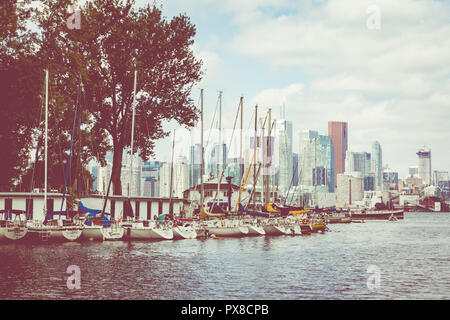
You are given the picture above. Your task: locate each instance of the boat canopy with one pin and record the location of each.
(83, 209)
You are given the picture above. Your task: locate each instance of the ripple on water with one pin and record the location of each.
(411, 254)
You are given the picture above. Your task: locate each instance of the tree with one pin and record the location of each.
(20, 87)
(114, 40)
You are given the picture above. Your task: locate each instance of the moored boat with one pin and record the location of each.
(52, 231)
(184, 231)
(272, 227)
(13, 230)
(148, 230)
(377, 214)
(225, 228)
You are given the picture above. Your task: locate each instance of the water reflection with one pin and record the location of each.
(412, 256)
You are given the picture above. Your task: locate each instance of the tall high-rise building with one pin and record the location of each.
(295, 169)
(131, 186)
(338, 133)
(439, 176)
(285, 160)
(316, 161)
(180, 176)
(103, 178)
(217, 160)
(195, 161)
(377, 164)
(424, 154)
(150, 178)
(358, 162)
(413, 171)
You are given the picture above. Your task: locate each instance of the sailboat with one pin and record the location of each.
(141, 230)
(216, 223)
(12, 229)
(51, 229)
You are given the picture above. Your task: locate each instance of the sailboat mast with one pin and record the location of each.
(46, 142)
(241, 164)
(220, 150)
(132, 134)
(171, 174)
(254, 152)
(202, 191)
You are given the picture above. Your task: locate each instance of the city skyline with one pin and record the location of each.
(399, 98)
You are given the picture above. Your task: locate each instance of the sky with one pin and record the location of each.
(380, 65)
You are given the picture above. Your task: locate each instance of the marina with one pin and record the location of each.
(268, 267)
(239, 151)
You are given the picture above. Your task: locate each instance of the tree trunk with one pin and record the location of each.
(117, 168)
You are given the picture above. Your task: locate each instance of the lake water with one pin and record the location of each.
(406, 259)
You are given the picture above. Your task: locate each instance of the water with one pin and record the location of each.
(412, 256)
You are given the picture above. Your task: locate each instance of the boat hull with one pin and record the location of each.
(113, 234)
(54, 234)
(184, 233)
(92, 234)
(339, 220)
(378, 215)
(255, 230)
(305, 228)
(149, 234)
(13, 232)
(294, 230)
(273, 230)
(239, 231)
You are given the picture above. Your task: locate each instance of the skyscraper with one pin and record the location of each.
(285, 160)
(316, 161)
(337, 131)
(424, 154)
(377, 164)
(357, 162)
(195, 160)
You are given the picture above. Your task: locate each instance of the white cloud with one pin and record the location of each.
(390, 84)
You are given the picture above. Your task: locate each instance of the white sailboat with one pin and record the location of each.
(12, 229)
(51, 230)
(142, 230)
(184, 231)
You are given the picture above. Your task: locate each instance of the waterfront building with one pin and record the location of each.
(390, 178)
(369, 182)
(195, 161)
(164, 183)
(295, 169)
(349, 190)
(103, 177)
(424, 155)
(338, 133)
(285, 161)
(180, 178)
(217, 160)
(358, 162)
(413, 171)
(150, 178)
(135, 187)
(316, 161)
(377, 164)
(439, 176)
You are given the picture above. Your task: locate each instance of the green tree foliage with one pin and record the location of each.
(115, 38)
(20, 85)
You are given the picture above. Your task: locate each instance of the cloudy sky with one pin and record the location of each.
(382, 66)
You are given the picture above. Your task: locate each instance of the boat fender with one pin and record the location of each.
(223, 223)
